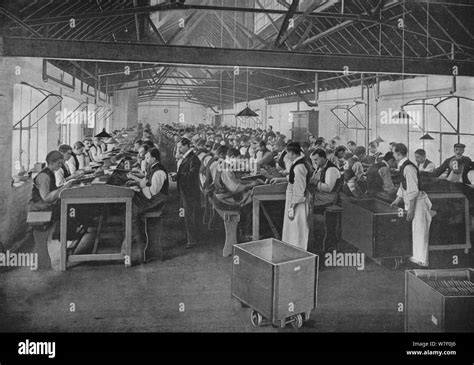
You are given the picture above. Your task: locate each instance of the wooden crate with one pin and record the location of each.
(276, 279)
(376, 229)
(428, 310)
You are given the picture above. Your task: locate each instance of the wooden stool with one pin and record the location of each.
(42, 235)
(337, 210)
(231, 219)
(154, 235)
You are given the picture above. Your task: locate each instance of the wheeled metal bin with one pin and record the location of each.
(377, 229)
(276, 280)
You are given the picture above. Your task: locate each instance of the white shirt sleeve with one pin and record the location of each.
(332, 174)
(96, 154)
(71, 164)
(43, 184)
(431, 167)
(412, 182)
(299, 186)
(82, 161)
(143, 166)
(157, 181)
(60, 179)
(470, 176)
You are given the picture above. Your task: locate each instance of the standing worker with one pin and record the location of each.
(295, 223)
(417, 204)
(188, 188)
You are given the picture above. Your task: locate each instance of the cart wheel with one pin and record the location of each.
(297, 321)
(256, 318)
(397, 263)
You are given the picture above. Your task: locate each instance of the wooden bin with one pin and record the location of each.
(277, 280)
(376, 229)
(428, 310)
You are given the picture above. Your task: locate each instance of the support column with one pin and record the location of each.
(7, 73)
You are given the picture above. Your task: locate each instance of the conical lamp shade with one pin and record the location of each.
(103, 134)
(246, 112)
(426, 137)
(379, 139)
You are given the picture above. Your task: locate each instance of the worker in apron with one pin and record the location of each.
(297, 204)
(417, 204)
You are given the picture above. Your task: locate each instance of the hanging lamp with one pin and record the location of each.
(426, 137)
(103, 134)
(246, 112)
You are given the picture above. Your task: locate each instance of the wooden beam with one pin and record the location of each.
(286, 22)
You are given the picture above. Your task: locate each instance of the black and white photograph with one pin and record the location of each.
(268, 175)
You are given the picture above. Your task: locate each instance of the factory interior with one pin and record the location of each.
(236, 166)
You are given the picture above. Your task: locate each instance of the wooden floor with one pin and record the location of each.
(148, 298)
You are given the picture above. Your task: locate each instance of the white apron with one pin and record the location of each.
(421, 229)
(296, 231)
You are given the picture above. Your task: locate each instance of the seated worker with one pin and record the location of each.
(326, 180)
(206, 162)
(96, 151)
(64, 174)
(103, 145)
(200, 149)
(454, 166)
(306, 147)
(87, 146)
(392, 146)
(245, 147)
(150, 144)
(339, 159)
(137, 144)
(354, 175)
(151, 194)
(264, 156)
(379, 179)
(45, 194)
(78, 160)
(351, 146)
(270, 133)
(320, 143)
(232, 194)
(212, 167)
(422, 162)
(373, 156)
(45, 198)
(141, 165)
(82, 156)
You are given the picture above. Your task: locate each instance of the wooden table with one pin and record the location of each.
(96, 194)
(261, 193)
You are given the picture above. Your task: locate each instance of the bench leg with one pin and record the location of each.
(230, 223)
(155, 237)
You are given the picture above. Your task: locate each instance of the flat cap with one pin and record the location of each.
(459, 145)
